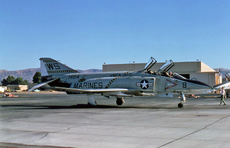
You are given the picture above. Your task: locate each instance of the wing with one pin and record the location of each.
(91, 90)
(105, 92)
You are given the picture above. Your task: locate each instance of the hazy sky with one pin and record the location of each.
(86, 33)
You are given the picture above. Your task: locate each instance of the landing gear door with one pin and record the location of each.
(153, 84)
(159, 85)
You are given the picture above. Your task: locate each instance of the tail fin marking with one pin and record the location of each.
(50, 66)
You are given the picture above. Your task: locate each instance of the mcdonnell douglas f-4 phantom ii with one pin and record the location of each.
(118, 84)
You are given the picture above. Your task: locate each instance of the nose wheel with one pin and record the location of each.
(182, 100)
(180, 105)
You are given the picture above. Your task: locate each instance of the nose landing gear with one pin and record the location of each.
(182, 100)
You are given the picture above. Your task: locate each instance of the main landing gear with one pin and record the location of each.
(91, 100)
(180, 105)
(182, 100)
(120, 101)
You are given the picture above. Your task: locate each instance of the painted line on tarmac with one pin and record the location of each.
(194, 131)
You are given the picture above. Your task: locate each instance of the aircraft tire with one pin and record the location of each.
(180, 105)
(119, 101)
(92, 104)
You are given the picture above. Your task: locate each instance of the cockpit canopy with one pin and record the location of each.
(166, 67)
(150, 64)
(228, 76)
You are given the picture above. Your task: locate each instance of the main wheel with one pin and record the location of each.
(119, 101)
(180, 105)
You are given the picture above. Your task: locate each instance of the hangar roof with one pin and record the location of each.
(179, 67)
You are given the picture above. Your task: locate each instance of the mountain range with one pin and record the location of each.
(222, 71)
(27, 74)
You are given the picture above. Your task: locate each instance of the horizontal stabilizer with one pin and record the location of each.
(41, 84)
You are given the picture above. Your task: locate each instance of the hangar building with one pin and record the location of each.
(196, 70)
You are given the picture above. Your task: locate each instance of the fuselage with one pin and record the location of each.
(118, 84)
(136, 82)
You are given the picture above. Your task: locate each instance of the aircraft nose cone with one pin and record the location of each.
(203, 88)
(203, 85)
(199, 86)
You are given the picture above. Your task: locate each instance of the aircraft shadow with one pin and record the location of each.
(85, 106)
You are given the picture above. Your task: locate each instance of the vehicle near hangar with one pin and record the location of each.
(225, 85)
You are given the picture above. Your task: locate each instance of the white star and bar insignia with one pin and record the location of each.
(144, 84)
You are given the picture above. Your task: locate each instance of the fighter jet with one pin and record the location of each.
(225, 85)
(119, 84)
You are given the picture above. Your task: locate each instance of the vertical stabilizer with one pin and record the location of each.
(52, 67)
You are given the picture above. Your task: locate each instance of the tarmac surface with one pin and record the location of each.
(53, 120)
